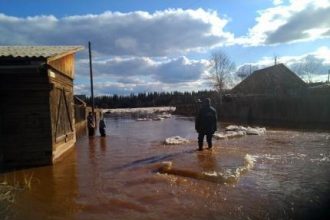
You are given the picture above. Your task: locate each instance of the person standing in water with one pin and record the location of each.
(90, 124)
(206, 123)
(102, 127)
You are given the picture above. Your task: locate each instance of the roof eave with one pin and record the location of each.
(58, 56)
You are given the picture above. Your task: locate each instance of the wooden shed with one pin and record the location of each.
(36, 102)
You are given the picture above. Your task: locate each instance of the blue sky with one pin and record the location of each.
(165, 45)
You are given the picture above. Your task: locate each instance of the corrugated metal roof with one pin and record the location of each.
(37, 51)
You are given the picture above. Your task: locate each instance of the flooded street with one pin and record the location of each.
(117, 177)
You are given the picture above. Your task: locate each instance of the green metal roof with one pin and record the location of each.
(37, 51)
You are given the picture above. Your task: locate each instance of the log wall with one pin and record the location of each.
(25, 129)
(37, 111)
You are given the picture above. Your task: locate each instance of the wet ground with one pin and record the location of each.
(117, 177)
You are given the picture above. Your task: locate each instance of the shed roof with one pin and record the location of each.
(277, 79)
(47, 52)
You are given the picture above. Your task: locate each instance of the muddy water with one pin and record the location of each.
(117, 177)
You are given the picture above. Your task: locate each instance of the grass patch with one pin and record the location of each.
(9, 190)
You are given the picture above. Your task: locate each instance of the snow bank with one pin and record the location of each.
(228, 134)
(142, 114)
(148, 110)
(255, 131)
(175, 140)
(158, 118)
(248, 130)
(219, 135)
(233, 131)
(143, 119)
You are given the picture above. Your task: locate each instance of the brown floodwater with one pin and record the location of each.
(280, 175)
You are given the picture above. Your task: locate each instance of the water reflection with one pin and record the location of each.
(92, 146)
(44, 191)
(103, 145)
(207, 161)
(97, 148)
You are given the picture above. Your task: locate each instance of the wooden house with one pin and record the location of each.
(276, 80)
(36, 102)
(278, 97)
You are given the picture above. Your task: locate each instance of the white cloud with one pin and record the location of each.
(277, 2)
(323, 53)
(167, 32)
(172, 71)
(125, 75)
(133, 66)
(181, 70)
(301, 20)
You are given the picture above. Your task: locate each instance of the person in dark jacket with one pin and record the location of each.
(90, 124)
(102, 127)
(206, 123)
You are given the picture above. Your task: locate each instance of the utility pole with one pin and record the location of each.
(92, 89)
(91, 74)
(328, 76)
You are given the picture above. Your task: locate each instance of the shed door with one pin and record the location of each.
(64, 122)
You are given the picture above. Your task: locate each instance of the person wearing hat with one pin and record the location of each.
(206, 123)
(90, 124)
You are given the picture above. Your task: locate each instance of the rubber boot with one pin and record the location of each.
(200, 146)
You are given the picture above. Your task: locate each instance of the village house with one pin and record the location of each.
(36, 102)
(277, 80)
(276, 96)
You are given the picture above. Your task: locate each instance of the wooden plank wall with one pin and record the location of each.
(25, 128)
(62, 107)
(37, 111)
(64, 65)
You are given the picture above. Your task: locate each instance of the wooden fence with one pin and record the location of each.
(310, 111)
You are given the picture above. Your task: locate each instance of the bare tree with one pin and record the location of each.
(221, 68)
(307, 67)
(246, 70)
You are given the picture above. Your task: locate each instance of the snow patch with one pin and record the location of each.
(175, 140)
(233, 131)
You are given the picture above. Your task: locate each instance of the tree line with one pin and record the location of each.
(152, 99)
